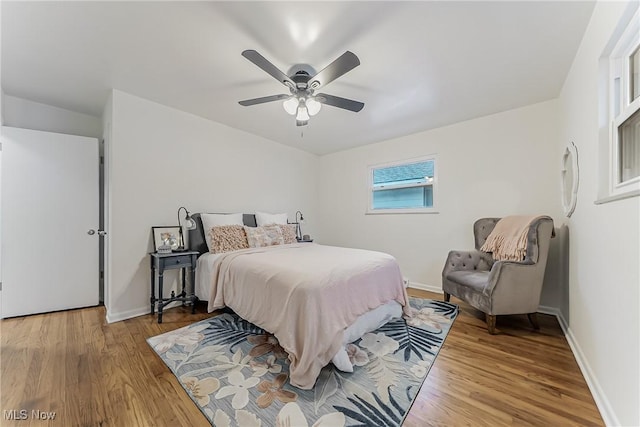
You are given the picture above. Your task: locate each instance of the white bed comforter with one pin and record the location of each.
(306, 295)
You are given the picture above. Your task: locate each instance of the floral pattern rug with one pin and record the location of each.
(238, 374)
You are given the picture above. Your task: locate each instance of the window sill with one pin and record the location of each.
(616, 197)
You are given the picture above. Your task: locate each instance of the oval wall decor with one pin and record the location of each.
(570, 178)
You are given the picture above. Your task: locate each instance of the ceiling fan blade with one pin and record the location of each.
(267, 66)
(336, 101)
(254, 101)
(345, 63)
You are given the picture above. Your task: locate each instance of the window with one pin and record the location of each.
(625, 110)
(403, 187)
(629, 149)
(623, 167)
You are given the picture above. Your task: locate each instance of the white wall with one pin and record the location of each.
(1, 89)
(488, 167)
(1, 317)
(1, 124)
(604, 244)
(161, 158)
(22, 113)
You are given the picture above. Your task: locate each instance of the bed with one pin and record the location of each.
(313, 298)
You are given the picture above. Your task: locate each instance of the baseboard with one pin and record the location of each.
(554, 311)
(603, 404)
(124, 315)
(425, 287)
(141, 311)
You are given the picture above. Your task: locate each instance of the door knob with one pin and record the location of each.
(91, 232)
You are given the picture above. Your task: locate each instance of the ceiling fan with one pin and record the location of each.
(303, 81)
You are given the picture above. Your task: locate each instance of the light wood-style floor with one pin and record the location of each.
(91, 373)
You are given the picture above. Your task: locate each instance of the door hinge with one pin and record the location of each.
(102, 160)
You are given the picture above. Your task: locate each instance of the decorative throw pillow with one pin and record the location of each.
(226, 238)
(288, 233)
(211, 220)
(269, 235)
(263, 218)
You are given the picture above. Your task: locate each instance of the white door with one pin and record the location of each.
(49, 205)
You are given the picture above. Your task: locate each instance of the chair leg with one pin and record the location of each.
(491, 323)
(533, 318)
(447, 297)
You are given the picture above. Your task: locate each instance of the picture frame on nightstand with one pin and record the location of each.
(165, 236)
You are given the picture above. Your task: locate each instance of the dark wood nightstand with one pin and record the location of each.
(160, 263)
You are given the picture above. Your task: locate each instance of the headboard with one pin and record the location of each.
(196, 236)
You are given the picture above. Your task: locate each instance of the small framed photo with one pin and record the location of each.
(166, 236)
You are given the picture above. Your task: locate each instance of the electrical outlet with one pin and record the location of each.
(405, 281)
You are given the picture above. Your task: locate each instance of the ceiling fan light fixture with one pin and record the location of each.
(303, 113)
(291, 105)
(313, 106)
(302, 80)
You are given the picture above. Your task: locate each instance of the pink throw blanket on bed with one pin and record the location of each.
(306, 295)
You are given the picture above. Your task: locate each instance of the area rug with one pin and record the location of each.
(238, 374)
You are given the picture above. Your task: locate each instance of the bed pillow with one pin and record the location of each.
(288, 233)
(268, 235)
(263, 218)
(211, 220)
(226, 238)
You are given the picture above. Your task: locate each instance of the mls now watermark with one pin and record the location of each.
(23, 414)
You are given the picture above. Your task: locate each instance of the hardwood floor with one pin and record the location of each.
(91, 373)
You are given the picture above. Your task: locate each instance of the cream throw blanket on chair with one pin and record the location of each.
(508, 240)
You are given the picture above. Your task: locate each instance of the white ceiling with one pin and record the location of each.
(423, 64)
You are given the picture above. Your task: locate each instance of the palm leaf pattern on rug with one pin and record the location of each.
(385, 371)
(416, 340)
(371, 415)
(229, 330)
(411, 339)
(444, 308)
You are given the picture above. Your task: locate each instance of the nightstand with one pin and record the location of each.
(174, 260)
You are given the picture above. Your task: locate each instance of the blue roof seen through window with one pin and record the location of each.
(404, 172)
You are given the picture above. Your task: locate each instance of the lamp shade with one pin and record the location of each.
(189, 223)
(303, 114)
(313, 106)
(291, 105)
(299, 220)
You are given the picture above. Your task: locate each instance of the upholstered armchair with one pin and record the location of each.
(500, 287)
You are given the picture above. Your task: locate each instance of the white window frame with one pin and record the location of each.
(620, 108)
(433, 184)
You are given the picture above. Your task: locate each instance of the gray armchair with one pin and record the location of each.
(499, 287)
